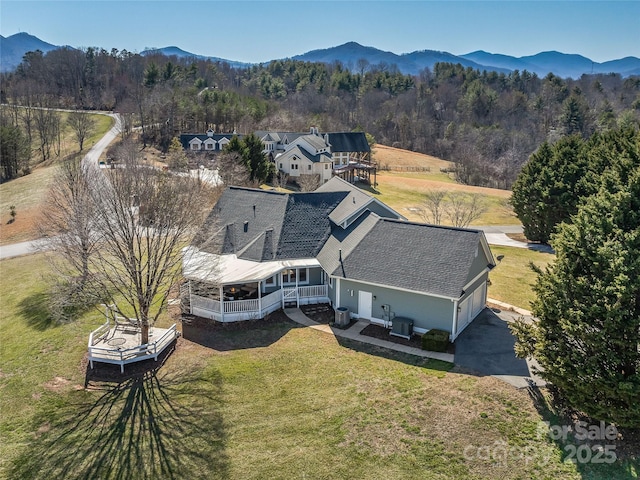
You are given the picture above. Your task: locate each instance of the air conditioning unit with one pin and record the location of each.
(342, 317)
(402, 327)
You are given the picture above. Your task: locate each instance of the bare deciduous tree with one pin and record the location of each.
(280, 180)
(308, 183)
(432, 209)
(463, 208)
(67, 224)
(83, 126)
(135, 220)
(47, 123)
(234, 171)
(144, 217)
(458, 208)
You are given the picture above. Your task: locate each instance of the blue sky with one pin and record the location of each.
(257, 31)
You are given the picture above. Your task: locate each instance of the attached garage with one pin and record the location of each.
(471, 307)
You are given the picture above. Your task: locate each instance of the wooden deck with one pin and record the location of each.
(120, 344)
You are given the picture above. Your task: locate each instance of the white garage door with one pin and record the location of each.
(471, 307)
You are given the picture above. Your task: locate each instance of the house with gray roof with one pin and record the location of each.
(345, 154)
(261, 250)
(206, 142)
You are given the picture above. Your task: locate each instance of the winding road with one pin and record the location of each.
(91, 159)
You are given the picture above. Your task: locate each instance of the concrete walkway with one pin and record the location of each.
(497, 235)
(353, 333)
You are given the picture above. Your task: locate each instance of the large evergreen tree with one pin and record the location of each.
(587, 334)
(548, 188)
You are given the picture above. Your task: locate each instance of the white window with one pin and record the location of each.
(309, 167)
(326, 166)
(280, 166)
(289, 276)
(195, 146)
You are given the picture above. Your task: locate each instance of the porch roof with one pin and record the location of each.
(229, 269)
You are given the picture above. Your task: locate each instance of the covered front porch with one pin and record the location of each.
(235, 303)
(226, 288)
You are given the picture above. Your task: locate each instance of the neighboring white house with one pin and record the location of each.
(346, 154)
(208, 142)
(306, 155)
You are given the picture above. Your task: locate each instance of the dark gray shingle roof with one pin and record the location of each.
(418, 257)
(263, 225)
(348, 142)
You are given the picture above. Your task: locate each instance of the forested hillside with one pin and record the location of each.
(488, 123)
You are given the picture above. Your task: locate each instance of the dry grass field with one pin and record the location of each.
(407, 176)
(27, 193)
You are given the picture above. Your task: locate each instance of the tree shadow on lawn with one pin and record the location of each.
(147, 425)
(237, 335)
(35, 310)
(587, 454)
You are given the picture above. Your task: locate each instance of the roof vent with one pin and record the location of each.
(246, 226)
(354, 199)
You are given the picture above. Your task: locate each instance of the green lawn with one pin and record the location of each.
(512, 279)
(270, 401)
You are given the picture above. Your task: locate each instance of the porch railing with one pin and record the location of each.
(254, 307)
(313, 291)
(205, 303)
(239, 306)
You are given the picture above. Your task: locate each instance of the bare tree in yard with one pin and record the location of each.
(458, 208)
(463, 208)
(234, 171)
(280, 180)
(308, 183)
(144, 217)
(432, 209)
(83, 126)
(67, 222)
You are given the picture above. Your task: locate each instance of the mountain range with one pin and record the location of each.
(355, 56)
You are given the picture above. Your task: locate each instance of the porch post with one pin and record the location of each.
(260, 298)
(190, 299)
(281, 288)
(297, 292)
(221, 304)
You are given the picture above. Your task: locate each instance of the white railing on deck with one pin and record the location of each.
(205, 303)
(259, 307)
(133, 354)
(99, 333)
(241, 306)
(312, 291)
(271, 299)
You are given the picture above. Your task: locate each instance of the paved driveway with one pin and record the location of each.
(486, 348)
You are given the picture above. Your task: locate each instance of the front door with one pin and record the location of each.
(365, 302)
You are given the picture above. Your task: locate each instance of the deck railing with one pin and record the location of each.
(255, 307)
(99, 333)
(240, 306)
(205, 303)
(134, 354)
(312, 291)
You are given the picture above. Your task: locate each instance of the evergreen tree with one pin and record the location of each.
(548, 189)
(587, 334)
